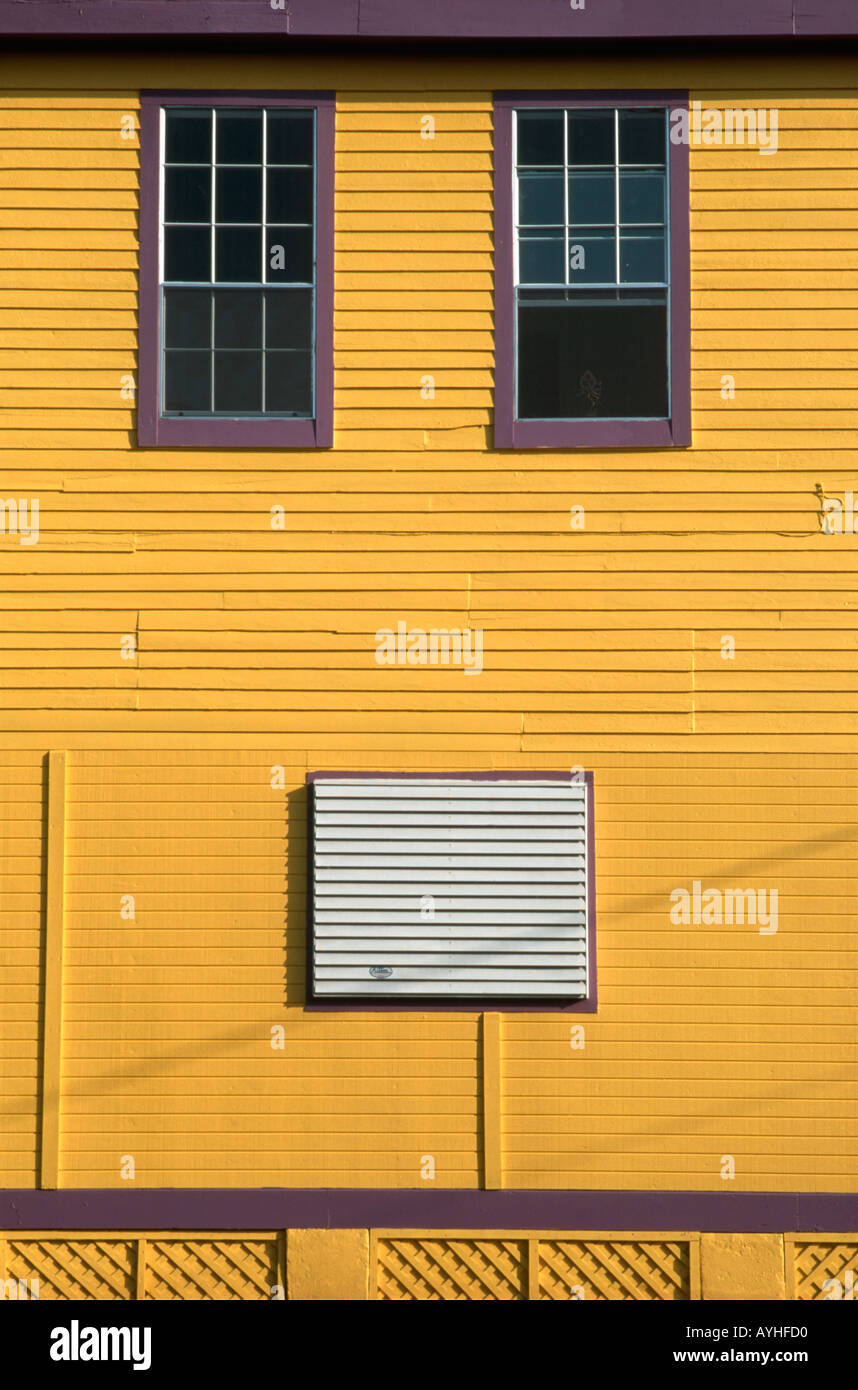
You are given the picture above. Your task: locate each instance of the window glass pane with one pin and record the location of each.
(187, 253)
(187, 381)
(584, 359)
(238, 195)
(590, 349)
(238, 319)
(642, 258)
(540, 198)
(540, 137)
(591, 137)
(290, 195)
(188, 137)
(187, 195)
(289, 254)
(288, 318)
(187, 318)
(289, 382)
(242, 351)
(592, 256)
(237, 253)
(290, 137)
(592, 196)
(642, 137)
(239, 137)
(642, 196)
(238, 382)
(541, 262)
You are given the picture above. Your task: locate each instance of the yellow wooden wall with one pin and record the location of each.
(255, 649)
(21, 897)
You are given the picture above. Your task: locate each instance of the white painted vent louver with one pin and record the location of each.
(449, 888)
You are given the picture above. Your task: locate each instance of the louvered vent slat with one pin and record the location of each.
(449, 888)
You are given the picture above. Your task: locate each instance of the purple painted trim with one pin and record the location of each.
(586, 434)
(511, 433)
(590, 1005)
(467, 776)
(609, 19)
(445, 1209)
(421, 19)
(680, 287)
(147, 297)
(153, 431)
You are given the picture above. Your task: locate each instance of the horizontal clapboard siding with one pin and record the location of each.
(449, 888)
(602, 647)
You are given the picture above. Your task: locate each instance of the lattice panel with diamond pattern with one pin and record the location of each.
(471, 1268)
(615, 1270)
(75, 1269)
(210, 1269)
(178, 1267)
(819, 1260)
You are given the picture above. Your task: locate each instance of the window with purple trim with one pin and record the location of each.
(236, 295)
(591, 320)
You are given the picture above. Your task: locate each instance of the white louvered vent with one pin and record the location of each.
(449, 888)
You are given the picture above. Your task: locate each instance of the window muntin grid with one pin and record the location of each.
(597, 181)
(237, 262)
(575, 187)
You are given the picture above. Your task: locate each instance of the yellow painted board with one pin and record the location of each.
(52, 1040)
(594, 624)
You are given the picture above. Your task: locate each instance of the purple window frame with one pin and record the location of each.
(511, 433)
(155, 430)
(459, 1003)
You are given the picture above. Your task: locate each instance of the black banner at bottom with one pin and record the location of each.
(60, 1340)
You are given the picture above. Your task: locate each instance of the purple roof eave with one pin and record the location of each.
(430, 19)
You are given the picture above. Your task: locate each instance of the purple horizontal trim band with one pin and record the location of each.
(225, 1209)
(438, 19)
(467, 776)
(591, 434)
(189, 432)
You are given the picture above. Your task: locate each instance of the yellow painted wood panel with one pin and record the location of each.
(256, 648)
(805, 1078)
(22, 780)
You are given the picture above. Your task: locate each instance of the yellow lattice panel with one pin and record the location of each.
(824, 1267)
(85, 1269)
(472, 1268)
(207, 1268)
(657, 1270)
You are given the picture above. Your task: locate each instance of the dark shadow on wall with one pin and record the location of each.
(298, 879)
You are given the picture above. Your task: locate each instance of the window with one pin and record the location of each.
(236, 271)
(592, 303)
(451, 888)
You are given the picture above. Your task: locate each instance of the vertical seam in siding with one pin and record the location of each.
(53, 971)
(491, 1069)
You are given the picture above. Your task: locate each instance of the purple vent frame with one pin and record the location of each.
(458, 1004)
(156, 431)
